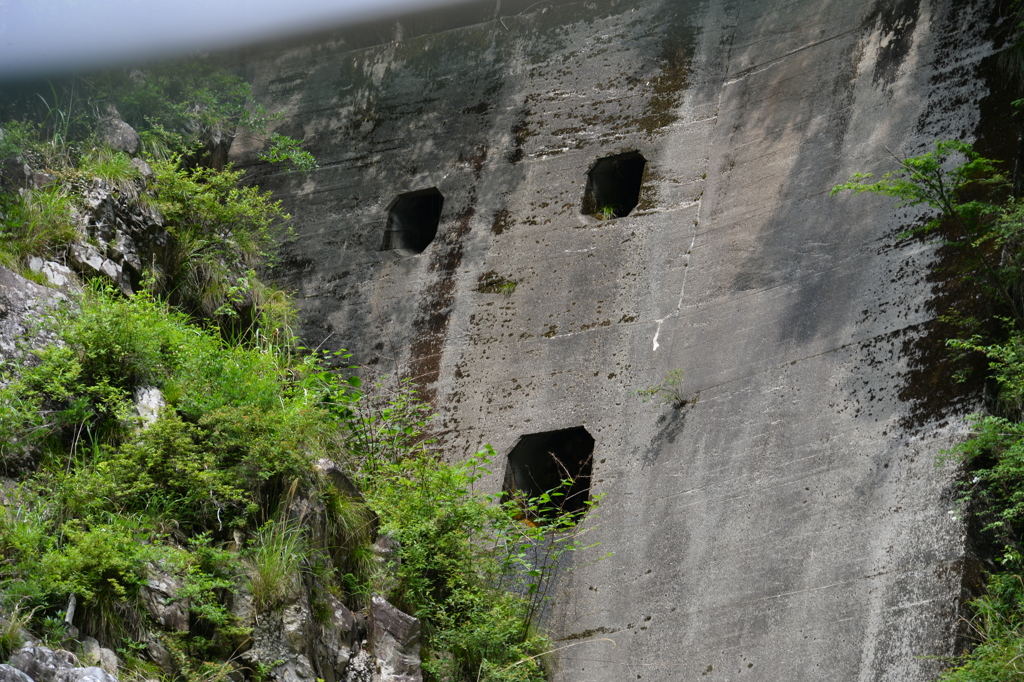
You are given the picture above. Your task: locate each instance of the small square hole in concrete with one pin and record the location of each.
(613, 185)
(412, 221)
(556, 461)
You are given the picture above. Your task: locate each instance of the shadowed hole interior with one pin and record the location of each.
(412, 221)
(613, 185)
(559, 461)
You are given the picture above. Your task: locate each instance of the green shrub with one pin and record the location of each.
(103, 565)
(220, 231)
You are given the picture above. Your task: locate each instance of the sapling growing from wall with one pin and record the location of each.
(669, 391)
(984, 228)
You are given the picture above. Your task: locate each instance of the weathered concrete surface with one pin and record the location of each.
(792, 524)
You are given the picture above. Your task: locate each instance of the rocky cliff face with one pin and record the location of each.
(538, 215)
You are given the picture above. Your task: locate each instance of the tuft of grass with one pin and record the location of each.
(39, 222)
(112, 167)
(11, 629)
(493, 283)
(351, 525)
(669, 391)
(274, 563)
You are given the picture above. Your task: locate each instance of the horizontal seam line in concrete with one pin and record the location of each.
(764, 65)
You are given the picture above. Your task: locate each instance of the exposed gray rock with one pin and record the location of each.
(294, 619)
(86, 258)
(8, 490)
(337, 477)
(56, 274)
(159, 654)
(362, 667)
(159, 597)
(118, 236)
(91, 674)
(8, 673)
(14, 174)
(332, 646)
(279, 636)
(23, 307)
(143, 168)
(123, 250)
(90, 653)
(115, 133)
(148, 403)
(396, 642)
(41, 663)
(42, 180)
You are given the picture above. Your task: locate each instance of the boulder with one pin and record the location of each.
(159, 654)
(159, 598)
(144, 169)
(8, 673)
(43, 180)
(115, 133)
(41, 663)
(15, 174)
(88, 260)
(56, 274)
(337, 476)
(149, 401)
(396, 642)
(8, 492)
(91, 674)
(90, 653)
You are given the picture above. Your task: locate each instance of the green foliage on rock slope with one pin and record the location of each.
(239, 437)
(217, 491)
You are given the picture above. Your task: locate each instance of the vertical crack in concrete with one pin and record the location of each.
(700, 202)
(682, 289)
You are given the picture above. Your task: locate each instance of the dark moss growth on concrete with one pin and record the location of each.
(668, 86)
(493, 283)
(502, 221)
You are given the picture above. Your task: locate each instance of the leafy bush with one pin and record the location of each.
(973, 217)
(232, 452)
(452, 568)
(221, 231)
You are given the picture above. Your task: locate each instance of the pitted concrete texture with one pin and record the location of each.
(791, 524)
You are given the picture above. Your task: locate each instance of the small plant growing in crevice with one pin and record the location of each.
(669, 391)
(606, 212)
(275, 562)
(493, 283)
(10, 631)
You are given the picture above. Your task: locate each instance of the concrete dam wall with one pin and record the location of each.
(538, 214)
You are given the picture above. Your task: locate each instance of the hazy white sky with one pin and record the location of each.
(41, 35)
